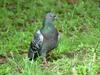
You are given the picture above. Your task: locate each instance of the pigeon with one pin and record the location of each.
(45, 39)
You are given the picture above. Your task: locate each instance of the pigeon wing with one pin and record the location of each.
(35, 45)
(37, 40)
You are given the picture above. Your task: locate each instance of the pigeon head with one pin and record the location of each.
(49, 18)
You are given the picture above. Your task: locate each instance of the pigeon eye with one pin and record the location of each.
(54, 16)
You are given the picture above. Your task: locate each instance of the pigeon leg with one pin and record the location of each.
(45, 61)
(43, 55)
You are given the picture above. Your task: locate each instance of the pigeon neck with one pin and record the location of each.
(47, 23)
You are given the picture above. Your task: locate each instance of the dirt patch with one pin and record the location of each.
(3, 59)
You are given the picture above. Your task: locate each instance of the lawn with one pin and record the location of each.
(78, 52)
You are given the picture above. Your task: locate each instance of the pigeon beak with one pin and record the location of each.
(55, 17)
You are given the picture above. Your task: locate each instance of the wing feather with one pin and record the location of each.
(37, 40)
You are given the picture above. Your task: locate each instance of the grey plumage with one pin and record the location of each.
(45, 39)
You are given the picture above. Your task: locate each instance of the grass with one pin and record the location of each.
(79, 45)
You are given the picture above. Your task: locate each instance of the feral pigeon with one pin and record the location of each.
(45, 39)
